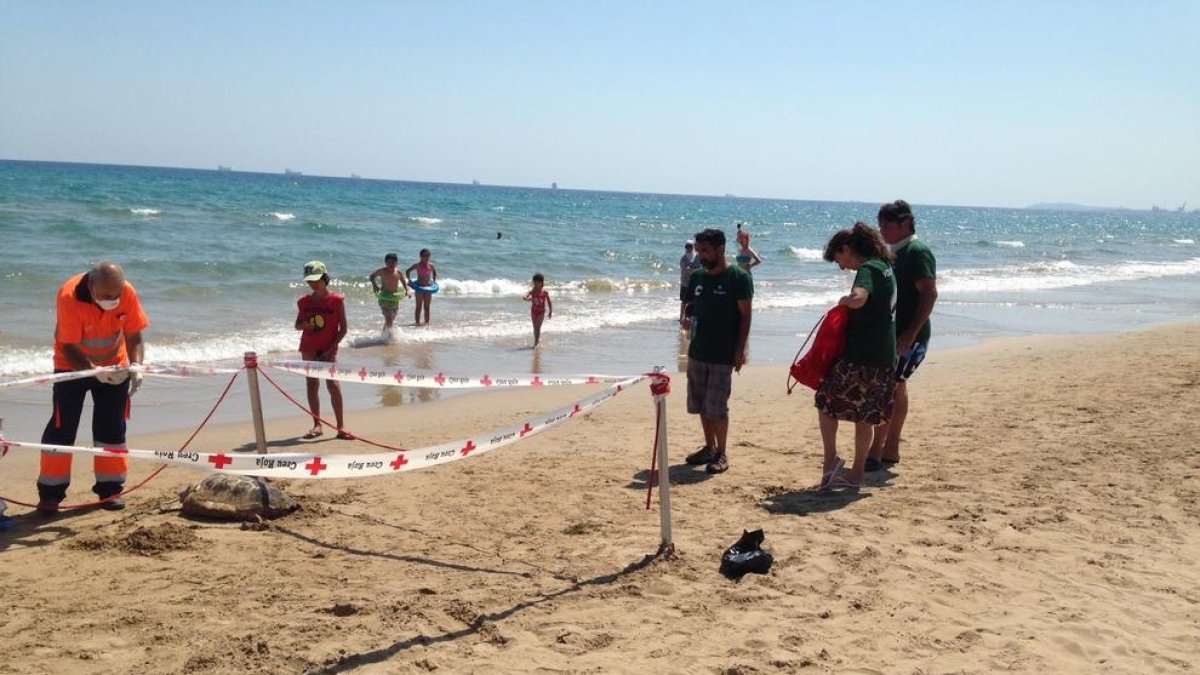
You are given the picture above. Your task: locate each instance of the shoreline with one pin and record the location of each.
(190, 399)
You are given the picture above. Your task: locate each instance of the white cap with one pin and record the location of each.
(689, 242)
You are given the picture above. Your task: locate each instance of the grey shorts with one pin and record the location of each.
(708, 388)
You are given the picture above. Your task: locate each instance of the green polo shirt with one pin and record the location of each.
(871, 338)
(714, 301)
(913, 262)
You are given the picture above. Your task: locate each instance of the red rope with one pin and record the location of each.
(327, 422)
(88, 505)
(660, 385)
(650, 480)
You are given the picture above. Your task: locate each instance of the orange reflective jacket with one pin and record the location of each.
(99, 334)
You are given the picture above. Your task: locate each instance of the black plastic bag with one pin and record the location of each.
(747, 555)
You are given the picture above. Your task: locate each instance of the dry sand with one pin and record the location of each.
(1044, 519)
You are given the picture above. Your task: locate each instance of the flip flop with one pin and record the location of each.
(345, 435)
(840, 483)
(828, 476)
(312, 433)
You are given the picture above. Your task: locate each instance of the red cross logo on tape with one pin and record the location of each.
(526, 430)
(440, 379)
(466, 449)
(362, 374)
(576, 411)
(316, 466)
(332, 371)
(536, 381)
(485, 380)
(399, 376)
(183, 371)
(398, 462)
(307, 368)
(220, 461)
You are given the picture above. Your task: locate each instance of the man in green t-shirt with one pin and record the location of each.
(916, 292)
(718, 316)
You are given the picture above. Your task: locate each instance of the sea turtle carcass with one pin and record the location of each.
(233, 497)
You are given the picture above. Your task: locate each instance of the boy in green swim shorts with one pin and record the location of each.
(387, 282)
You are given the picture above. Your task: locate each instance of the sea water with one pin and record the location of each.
(217, 258)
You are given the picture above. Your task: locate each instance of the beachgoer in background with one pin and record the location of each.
(426, 277)
(322, 320)
(718, 315)
(688, 263)
(860, 386)
(540, 306)
(746, 258)
(916, 292)
(99, 323)
(386, 282)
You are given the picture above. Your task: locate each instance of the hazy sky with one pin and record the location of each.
(970, 103)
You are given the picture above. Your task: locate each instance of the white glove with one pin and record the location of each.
(135, 382)
(113, 376)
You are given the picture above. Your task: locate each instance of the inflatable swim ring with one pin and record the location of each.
(430, 289)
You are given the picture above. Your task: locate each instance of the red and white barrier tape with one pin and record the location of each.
(423, 380)
(155, 370)
(312, 465)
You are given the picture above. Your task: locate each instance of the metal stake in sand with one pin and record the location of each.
(260, 432)
(663, 384)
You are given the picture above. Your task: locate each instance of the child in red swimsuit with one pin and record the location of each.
(540, 306)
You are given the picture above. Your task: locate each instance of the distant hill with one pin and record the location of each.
(1063, 206)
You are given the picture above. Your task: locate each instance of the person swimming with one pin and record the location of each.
(746, 257)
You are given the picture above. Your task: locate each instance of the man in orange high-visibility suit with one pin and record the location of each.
(100, 323)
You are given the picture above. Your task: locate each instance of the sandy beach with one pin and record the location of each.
(1044, 519)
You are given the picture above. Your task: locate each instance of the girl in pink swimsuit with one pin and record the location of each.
(540, 306)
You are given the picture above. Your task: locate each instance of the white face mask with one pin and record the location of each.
(108, 305)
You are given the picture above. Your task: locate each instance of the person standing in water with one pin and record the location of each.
(688, 263)
(386, 282)
(746, 258)
(426, 278)
(540, 306)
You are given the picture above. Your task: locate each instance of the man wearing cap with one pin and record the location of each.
(322, 322)
(688, 263)
(915, 270)
(99, 323)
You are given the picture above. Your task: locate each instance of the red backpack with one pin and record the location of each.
(821, 348)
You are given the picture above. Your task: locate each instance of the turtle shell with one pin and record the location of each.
(232, 497)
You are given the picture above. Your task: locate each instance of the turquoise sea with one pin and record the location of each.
(217, 258)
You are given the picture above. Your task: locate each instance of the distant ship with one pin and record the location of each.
(554, 186)
(354, 175)
(289, 172)
(222, 167)
(474, 182)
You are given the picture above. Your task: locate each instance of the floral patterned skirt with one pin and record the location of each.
(857, 393)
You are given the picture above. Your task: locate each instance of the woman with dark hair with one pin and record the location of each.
(859, 387)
